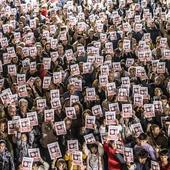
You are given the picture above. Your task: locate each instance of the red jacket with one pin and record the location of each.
(113, 163)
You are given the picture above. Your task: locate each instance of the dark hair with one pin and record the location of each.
(143, 154)
(142, 136)
(163, 152)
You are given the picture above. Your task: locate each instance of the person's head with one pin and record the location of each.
(38, 82)
(47, 46)
(155, 130)
(36, 165)
(142, 138)
(120, 44)
(71, 88)
(60, 49)
(68, 123)
(61, 164)
(20, 167)
(142, 157)
(2, 126)
(23, 103)
(11, 110)
(21, 25)
(65, 42)
(77, 107)
(164, 100)
(2, 146)
(157, 80)
(24, 137)
(158, 92)
(94, 148)
(163, 154)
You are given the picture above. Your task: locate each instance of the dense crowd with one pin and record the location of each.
(84, 85)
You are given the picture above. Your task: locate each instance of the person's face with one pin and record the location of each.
(164, 102)
(2, 127)
(60, 49)
(142, 160)
(121, 45)
(61, 166)
(164, 158)
(12, 111)
(15, 60)
(71, 89)
(20, 167)
(48, 47)
(143, 142)
(77, 108)
(68, 124)
(24, 138)
(35, 167)
(23, 105)
(64, 42)
(93, 150)
(2, 147)
(157, 92)
(43, 41)
(39, 50)
(21, 25)
(156, 131)
(38, 82)
(111, 76)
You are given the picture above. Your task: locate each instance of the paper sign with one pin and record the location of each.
(113, 132)
(87, 68)
(111, 89)
(97, 110)
(47, 63)
(89, 138)
(33, 118)
(12, 70)
(11, 127)
(74, 99)
(138, 100)
(161, 67)
(158, 106)
(60, 128)
(72, 145)
(77, 158)
(90, 94)
(110, 118)
(41, 103)
(128, 155)
(21, 79)
(54, 150)
(70, 112)
(25, 125)
(137, 129)
(75, 69)
(49, 115)
(22, 91)
(155, 165)
(90, 122)
(27, 163)
(149, 110)
(46, 82)
(127, 110)
(114, 107)
(103, 80)
(34, 153)
(122, 94)
(55, 103)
